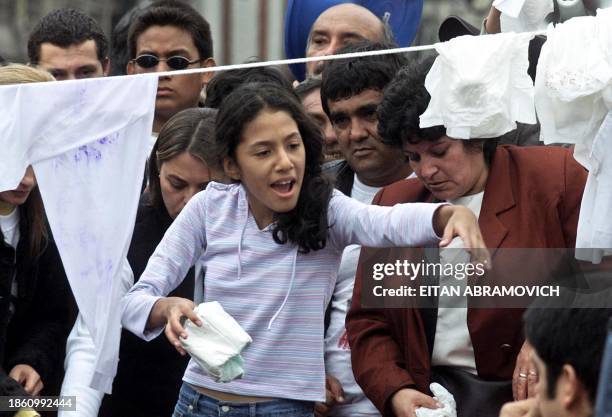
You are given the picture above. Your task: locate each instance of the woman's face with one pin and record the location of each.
(447, 167)
(269, 161)
(180, 178)
(19, 195)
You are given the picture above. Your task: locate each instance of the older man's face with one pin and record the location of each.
(339, 26)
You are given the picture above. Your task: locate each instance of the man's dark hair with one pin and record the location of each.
(119, 35)
(405, 99)
(66, 27)
(308, 86)
(345, 78)
(573, 336)
(223, 83)
(173, 13)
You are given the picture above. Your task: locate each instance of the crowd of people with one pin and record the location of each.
(259, 193)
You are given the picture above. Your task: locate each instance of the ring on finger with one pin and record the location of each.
(522, 375)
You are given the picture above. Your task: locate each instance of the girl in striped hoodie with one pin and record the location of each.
(270, 244)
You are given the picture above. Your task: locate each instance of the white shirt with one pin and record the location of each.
(9, 225)
(452, 343)
(337, 350)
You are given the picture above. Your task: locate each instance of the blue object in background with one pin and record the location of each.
(405, 16)
(603, 404)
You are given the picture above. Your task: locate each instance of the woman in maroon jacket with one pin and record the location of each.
(524, 197)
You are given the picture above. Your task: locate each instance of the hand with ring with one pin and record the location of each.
(525, 376)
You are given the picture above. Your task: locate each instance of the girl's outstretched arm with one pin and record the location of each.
(410, 225)
(452, 221)
(181, 246)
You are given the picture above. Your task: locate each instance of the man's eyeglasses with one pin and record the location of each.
(174, 62)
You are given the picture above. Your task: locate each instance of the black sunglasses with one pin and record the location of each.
(174, 62)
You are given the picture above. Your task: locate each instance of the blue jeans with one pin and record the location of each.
(194, 404)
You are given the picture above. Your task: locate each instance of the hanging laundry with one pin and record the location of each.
(87, 141)
(524, 15)
(480, 87)
(594, 236)
(573, 79)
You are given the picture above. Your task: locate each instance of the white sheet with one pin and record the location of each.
(87, 141)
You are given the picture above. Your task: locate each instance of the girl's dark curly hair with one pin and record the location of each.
(306, 225)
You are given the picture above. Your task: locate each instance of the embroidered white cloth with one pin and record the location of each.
(479, 86)
(523, 15)
(216, 345)
(594, 235)
(573, 87)
(449, 407)
(87, 141)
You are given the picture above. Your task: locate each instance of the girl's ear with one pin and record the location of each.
(231, 168)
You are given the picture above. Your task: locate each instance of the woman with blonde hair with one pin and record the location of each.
(35, 307)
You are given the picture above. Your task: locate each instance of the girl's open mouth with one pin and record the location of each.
(283, 187)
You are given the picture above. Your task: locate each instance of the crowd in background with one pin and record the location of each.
(299, 174)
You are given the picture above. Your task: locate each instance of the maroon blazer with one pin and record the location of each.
(531, 200)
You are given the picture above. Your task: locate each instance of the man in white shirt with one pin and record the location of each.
(351, 92)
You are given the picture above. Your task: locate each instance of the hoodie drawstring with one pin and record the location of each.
(244, 226)
(295, 253)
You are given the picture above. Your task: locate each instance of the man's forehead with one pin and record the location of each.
(86, 50)
(365, 98)
(350, 18)
(312, 101)
(164, 39)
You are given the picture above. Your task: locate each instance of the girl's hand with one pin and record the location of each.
(169, 311)
(461, 221)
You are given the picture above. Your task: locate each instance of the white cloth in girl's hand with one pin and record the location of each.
(216, 345)
(523, 15)
(449, 407)
(480, 87)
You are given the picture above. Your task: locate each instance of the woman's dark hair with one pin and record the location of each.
(305, 225)
(191, 131)
(223, 83)
(404, 100)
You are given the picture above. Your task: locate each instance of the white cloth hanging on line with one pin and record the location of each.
(594, 237)
(523, 15)
(573, 102)
(573, 83)
(88, 142)
(480, 87)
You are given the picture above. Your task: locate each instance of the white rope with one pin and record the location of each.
(305, 60)
(286, 61)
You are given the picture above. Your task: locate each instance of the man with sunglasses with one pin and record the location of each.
(171, 36)
(70, 45)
